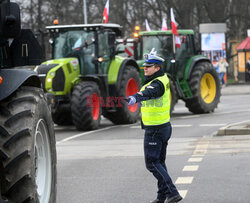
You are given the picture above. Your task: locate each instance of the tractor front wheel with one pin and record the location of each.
(86, 106)
(205, 87)
(27, 147)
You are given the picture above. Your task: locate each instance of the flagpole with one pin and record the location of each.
(85, 12)
(174, 48)
(174, 51)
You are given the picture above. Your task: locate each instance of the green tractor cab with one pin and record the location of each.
(87, 76)
(192, 77)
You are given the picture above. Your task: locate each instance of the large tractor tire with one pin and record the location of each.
(61, 117)
(129, 84)
(205, 87)
(86, 106)
(173, 95)
(27, 147)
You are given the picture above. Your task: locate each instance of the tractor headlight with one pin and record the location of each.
(51, 41)
(49, 80)
(52, 73)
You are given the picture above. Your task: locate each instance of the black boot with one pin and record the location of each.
(174, 199)
(157, 201)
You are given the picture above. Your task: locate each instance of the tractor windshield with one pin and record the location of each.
(161, 43)
(67, 43)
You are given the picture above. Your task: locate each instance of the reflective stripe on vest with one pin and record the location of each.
(157, 111)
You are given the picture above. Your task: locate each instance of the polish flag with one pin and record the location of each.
(174, 29)
(147, 26)
(164, 26)
(106, 13)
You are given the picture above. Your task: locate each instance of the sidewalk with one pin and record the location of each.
(236, 89)
(242, 128)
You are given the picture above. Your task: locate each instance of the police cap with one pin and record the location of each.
(152, 58)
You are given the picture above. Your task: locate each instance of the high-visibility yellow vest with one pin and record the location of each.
(157, 111)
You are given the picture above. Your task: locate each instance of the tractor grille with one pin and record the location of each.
(42, 71)
(58, 80)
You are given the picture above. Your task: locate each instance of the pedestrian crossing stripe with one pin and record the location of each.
(191, 168)
(184, 180)
(195, 159)
(183, 193)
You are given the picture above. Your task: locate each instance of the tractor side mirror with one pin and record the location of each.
(10, 24)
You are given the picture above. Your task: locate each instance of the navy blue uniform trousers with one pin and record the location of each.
(155, 148)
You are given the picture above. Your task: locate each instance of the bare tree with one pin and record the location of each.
(36, 14)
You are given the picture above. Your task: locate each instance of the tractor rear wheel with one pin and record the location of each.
(129, 84)
(86, 106)
(205, 87)
(27, 147)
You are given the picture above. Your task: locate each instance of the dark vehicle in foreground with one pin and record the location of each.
(27, 141)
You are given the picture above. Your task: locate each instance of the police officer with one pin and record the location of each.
(155, 113)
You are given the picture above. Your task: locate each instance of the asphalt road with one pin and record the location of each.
(107, 165)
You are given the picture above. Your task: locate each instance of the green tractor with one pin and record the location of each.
(192, 77)
(87, 76)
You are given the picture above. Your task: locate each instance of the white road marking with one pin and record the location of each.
(189, 125)
(195, 155)
(100, 149)
(200, 152)
(195, 159)
(82, 134)
(231, 112)
(179, 109)
(181, 126)
(213, 125)
(184, 180)
(191, 168)
(192, 116)
(183, 193)
(202, 145)
(201, 148)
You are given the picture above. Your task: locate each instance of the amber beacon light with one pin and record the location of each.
(56, 22)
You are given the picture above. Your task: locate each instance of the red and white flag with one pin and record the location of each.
(164, 26)
(106, 13)
(147, 26)
(174, 29)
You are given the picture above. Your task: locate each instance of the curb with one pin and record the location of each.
(238, 83)
(241, 128)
